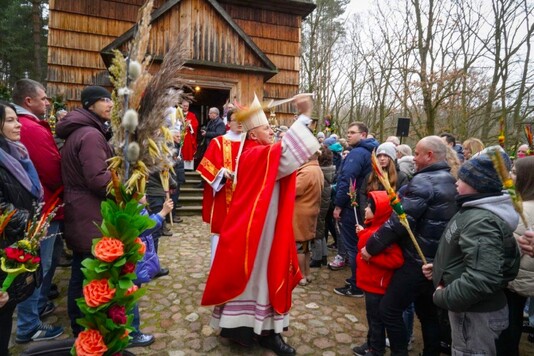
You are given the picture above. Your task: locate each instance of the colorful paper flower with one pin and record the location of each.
(117, 313)
(98, 292)
(142, 247)
(90, 343)
(108, 249)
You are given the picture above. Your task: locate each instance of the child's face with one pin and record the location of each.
(368, 213)
(463, 188)
(383, 160)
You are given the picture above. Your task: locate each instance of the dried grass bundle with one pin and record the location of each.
(140, 43)
(162, 92)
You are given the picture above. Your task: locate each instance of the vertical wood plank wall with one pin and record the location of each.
(78, 30)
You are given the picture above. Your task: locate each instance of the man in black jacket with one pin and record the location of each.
(214, 128)
(429, 202)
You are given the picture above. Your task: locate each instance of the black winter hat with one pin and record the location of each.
(480, 173)
(92, 94)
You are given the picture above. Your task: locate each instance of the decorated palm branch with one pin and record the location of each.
(353, 198)
(395, 203)
(507, 182)
(140, 103)
(141, 142)
(528, 134)
(23, 255)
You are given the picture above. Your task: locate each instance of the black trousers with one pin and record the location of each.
(508, 341)
(376, 337)
(410, 285)
(6, 322)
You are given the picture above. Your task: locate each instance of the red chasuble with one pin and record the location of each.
(240, 235)
(221, 153)
(189, 146)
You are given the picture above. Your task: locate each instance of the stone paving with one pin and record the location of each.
(322, 323)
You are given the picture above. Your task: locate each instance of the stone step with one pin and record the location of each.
(189, 210)
(189, 201)
(191, 195)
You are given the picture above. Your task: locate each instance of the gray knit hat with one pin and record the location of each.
(480, 173)
(387, 148)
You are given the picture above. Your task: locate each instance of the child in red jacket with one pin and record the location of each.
(373, 277)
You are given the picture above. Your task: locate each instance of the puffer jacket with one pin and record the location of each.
(374, 276)
(429, 201)
(477, 255)
(14, 196)
(523, 284)
(85, 176)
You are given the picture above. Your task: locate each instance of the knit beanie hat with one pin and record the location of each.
(480, 173)
(336, 147)
(387, 148)
(330, 141)
(320, 134)
(92, 94)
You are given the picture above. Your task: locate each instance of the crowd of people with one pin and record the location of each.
(468, 287)
(273, 197)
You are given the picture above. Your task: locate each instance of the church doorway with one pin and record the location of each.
(206, 98)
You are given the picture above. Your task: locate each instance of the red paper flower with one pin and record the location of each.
(15, 254)
(142, 248)
(132, 289)
(90, 343)
(117, 313)
(98, 292)
(108, 249)
(128, 267)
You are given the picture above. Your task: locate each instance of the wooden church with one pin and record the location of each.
(234, 48)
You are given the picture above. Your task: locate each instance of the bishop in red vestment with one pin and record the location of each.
(255, 267)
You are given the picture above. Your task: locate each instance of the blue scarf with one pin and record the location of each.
(18, 163)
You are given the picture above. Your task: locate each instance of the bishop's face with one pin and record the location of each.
(264, 135)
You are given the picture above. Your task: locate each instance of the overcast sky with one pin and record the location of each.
(358, 6)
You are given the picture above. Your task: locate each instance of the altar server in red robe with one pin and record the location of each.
(217, 168)
(189, 146)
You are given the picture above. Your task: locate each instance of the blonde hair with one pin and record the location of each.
(474, 145)
(453, 161)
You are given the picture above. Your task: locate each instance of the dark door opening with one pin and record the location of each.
(206, 98)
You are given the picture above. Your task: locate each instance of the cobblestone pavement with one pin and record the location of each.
(322, 323)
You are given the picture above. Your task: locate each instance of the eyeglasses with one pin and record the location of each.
(107, 100)
(353, 132)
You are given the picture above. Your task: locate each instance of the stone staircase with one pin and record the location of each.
(190, 195)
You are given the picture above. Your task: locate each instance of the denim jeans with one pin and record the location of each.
(136, 322)
(408, 316)
(57, 228)
(28, 311)
(475, 333)
(347, 227)
(409, 285)
(76, 290)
